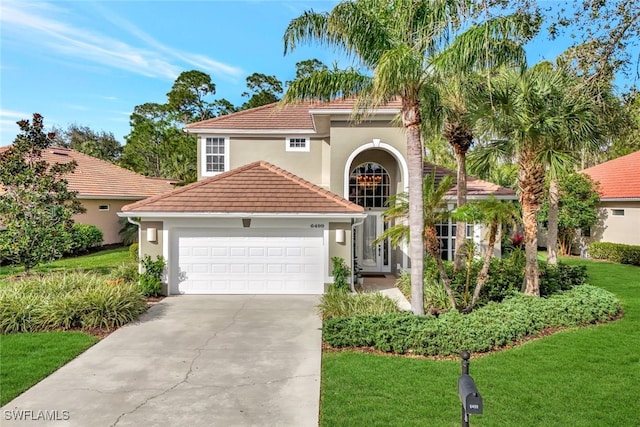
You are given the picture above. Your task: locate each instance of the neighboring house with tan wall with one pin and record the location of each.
(619, 181)
(103, 189)
(281, 191)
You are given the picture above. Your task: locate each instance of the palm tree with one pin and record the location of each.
(494, 213)
(435, 212)
(393, 42)
(533, 112)
(463, 84)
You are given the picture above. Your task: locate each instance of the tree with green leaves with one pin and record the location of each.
(578, 202)
(307, 67)
(157, 147)
(36, 207)
(394, 44)
(533, 116)
(101, 145)
(435, 212)
(263, 90)
(187, 97)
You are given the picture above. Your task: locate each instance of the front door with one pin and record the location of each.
(372, 257)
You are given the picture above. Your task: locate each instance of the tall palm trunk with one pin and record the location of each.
(531, 183)
(411, 122)
(460, 138)
(552, 229)
(432, 243)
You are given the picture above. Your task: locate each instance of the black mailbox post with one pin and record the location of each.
(469, 396)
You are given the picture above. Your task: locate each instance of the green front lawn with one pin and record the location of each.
(28, 358)
(583, 377)
(99, 262)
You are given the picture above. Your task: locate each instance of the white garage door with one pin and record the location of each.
(250, 261)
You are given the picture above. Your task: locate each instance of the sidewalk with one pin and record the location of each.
(386, 286)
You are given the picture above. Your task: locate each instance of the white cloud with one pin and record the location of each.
(199, 61)
(152, 59)
(17, 115)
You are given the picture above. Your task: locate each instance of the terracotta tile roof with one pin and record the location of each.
(276, 116)
(475, 187)
(258, 187)
(619, 178)
(97, 178)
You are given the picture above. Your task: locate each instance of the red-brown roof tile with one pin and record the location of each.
(97, 178)
(277, 116)
(258, 187)
(619, 178)
(475, 186)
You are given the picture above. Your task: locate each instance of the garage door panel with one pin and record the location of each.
(250, 261)
(238, 252)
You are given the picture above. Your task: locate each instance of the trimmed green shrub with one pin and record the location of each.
(337, 303)
(492, 326)
(340, 274)
(85, 237)
(560, 277)
(68, 301)
(616, 252)
(133, 252)
(151, 277)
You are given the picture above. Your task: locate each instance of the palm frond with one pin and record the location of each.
(327, 85)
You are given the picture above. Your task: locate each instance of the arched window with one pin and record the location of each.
(369, 185)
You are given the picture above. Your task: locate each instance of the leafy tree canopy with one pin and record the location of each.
(187, 97)
(36, 207)
(578, 208)
(102, 145)
(263, 90)
(157, 146)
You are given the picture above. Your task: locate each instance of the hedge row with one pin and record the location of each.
(616, 252)
(68, 301)
(85, 237)
(492, 326)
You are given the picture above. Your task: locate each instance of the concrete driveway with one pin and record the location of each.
(191, 361)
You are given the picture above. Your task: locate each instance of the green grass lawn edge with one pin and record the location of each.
(28, 358)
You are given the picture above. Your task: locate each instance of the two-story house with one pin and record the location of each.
(281, 191)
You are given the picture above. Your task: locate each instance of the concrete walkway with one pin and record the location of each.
(191, 361)
(387, 286)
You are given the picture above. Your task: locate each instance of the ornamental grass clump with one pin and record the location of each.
(68, 301)
(337, 303)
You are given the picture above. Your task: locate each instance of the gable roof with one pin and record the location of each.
(475, 186)
(619, 178)
(276, 116)
(96, 178)
(258, 187)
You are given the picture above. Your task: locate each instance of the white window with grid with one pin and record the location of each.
(215, 155)
(297, 143)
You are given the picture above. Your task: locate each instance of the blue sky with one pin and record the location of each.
(91, 62)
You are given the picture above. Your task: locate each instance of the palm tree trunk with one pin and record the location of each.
(432, 244)
(461, 198)
(411, 121)
(531, 183)
(483, 275)
(552, 232)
